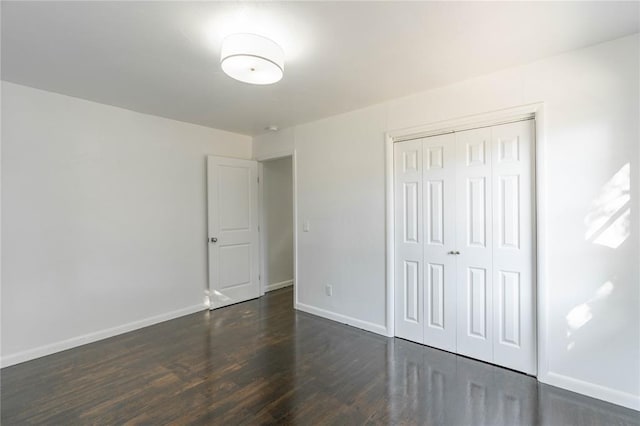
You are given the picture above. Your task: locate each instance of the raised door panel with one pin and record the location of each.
(411, 287)
(508, 211)
(509, 317)
(410, 211)
(514, 345)
(439, 240)
(235, 266)
(234, 185)
(476, 207)
(408, 218)
(474, 229)
(435, 297)
(435, 214)
(476, 289)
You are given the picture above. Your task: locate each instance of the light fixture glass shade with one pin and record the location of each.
(252, 59)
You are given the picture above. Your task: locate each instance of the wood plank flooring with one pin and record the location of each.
(261, 362)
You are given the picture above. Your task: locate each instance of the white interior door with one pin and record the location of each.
(514, 343)
(409, 289)
(233, 230)
(439, 166)
(474, 243)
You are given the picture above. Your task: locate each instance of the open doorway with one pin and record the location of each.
(276, 224)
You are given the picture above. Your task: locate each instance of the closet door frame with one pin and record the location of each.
(532, 111)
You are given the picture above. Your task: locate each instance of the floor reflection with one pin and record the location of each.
(441, 388)
(349, 376)
(261, 362)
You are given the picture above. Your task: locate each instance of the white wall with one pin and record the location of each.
(592, 135)
(340, 191)
(103, 219)
(278, 222)
(277, 144)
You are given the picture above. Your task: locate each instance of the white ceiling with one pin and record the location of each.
(162, 58)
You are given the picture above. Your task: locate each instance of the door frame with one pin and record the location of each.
(493, 118)
(263, 248)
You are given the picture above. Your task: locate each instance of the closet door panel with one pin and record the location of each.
(439, 241)
(514, 344)
(409, 242)
(474, 230)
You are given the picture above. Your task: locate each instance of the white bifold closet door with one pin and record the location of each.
(439, 241)
(409, 292)
(464, 243)
(474, 241)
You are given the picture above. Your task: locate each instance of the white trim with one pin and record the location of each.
(536, 111)
(275, 155)
(276, 286)
(294, 171)
(73, 342)
(261, 228)
(354, 322)
(541, 288)
(467, 122)
(590, 389)
(390, 250)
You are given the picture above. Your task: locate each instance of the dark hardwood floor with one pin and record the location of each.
(261, 362)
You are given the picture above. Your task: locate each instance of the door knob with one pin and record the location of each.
(214, 239)
(457, 252)
(451, 252)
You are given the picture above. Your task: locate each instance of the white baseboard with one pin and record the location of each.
(281, 284)
(354, 322)
(590, 389)
(73, 342)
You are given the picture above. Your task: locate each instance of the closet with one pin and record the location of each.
(464, 243)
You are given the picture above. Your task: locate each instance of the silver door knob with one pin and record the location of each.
(214, 239)
(457, 252)
(451, 252)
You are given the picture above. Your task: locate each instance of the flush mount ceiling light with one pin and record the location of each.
(251, 58)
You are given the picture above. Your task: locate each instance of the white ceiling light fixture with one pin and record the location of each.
(251, 58)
